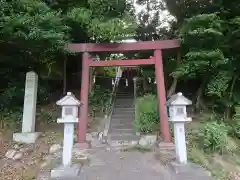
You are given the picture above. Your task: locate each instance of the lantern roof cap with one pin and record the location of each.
(68, 100)
(178, 99)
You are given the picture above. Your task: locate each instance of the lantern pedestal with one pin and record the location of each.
(68, 139)
(68, 143)
(66, 171)
(180, 142)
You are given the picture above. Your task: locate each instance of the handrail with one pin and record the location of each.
(109, 110)
(135, 95)
(109, 106)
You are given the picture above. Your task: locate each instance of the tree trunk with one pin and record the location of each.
(173, 87)
(229, 108)
(64, 75)
(144, 85)
(199, 102)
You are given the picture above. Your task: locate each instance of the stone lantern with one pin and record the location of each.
(70, 105)
(178, 116)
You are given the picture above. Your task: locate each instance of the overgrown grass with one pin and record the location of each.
(211, 147)
(147, 116)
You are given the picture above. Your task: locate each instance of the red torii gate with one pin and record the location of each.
(156, 60)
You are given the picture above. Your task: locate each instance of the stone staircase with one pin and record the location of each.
(121, 131)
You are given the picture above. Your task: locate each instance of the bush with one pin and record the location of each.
(47, 116)
(12, 96)
(147, 116)
(98, 100)
(234, 128)
(10, 118)
(214, 136)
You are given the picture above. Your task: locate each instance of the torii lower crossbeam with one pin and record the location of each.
(134, 62)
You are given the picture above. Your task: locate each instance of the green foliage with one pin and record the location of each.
(35, 32)
(205, 56)
(103, 20)
(10, 118)
(218, 85)
(98, 100)
(234, 128)
(44, 95)
(213, 135)
(11, 97)
(147, 116)
(47, 116)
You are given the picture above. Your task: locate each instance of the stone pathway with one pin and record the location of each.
(124, 163)
(130, 165)
(119, 165)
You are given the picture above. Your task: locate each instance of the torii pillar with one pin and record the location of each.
(164, 126)
(83, 116)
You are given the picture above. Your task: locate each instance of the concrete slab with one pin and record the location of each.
(26, 138)
(81, 146)
(189, 171)
(68, 171)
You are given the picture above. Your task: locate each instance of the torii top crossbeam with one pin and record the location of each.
(121, 47)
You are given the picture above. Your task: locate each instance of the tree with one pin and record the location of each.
(34, 33)
(202, 37)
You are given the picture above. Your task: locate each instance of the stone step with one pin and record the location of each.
(126, 98)
(130, 104)
(121, 131)
(124, 109)
(129, 96)
(116, 122)
(119, 107)
(130, 126)
(123, 106)
(125, 93)
(126, 137)
(123, 119)
(122, 144)
(121, 122)
(119, 126)
(116, 111)
(166, 146)
(123, 116)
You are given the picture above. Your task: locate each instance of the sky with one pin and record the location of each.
(165, 17)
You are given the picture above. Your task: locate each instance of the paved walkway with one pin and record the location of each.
(114, 164)
(133, 165)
